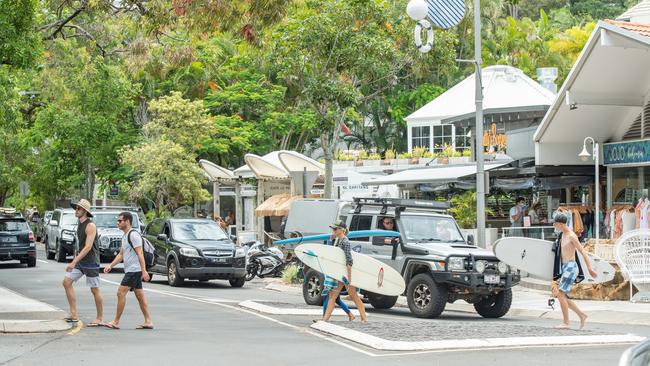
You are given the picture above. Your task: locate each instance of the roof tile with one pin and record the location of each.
(642, 29)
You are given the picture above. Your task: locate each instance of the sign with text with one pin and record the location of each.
(627, 152)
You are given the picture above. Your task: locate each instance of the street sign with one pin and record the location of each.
(446, 13)
(24, 189)
(114, 189)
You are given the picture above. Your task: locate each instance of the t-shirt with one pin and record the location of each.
(347, 249)
(131, 261)
(513, 212)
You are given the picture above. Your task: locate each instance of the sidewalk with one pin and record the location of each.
(534, 303)
(20, 314)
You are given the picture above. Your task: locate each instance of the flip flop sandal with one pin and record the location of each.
(91, 325)
(111, 326)
(144, 326)
(70, 320)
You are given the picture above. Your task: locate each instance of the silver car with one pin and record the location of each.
(59, 234)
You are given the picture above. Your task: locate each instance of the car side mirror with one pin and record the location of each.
(162, 237)
(233, 238)
(470, 239)
(54, 223)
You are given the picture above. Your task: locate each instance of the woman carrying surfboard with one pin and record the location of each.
(339, 230)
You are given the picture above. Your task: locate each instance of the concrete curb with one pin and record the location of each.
(388, 345)
(34, 326)
(272, 310)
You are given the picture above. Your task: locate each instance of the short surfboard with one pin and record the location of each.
(536, 257)
(367, 273)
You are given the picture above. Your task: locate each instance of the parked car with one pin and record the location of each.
(437, 263)
(59, 243)
(109, 236)
(16, 239)
(195, 249)
(39, 231)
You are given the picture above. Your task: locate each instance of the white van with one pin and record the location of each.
(313, 216)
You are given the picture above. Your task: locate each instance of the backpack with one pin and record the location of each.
(147, 250)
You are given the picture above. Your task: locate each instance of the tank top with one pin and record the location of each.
(92, 258)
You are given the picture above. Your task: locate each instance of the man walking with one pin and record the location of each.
(84, 263)
(569, 244)
(135, 271)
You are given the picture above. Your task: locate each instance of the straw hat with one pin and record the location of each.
(83, 204)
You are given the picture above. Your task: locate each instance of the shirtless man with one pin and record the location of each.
(569, 246)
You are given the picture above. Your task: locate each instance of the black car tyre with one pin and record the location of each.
(382, 301)
(425, 297)
(495, 306)
(237, 282)
(31, 262)
(251, 270)
(59, 252)
(312, 288)
(173, 277)
(50, 254)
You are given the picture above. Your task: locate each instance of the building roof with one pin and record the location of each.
(214, 171)
(641, 9)
(642, 29)
(438, 174)
(505, 89)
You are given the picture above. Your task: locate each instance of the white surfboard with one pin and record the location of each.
(536, 257)
(367, 273)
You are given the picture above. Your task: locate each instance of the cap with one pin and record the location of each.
(339, 224)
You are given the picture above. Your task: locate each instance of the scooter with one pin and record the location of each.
(262, 261)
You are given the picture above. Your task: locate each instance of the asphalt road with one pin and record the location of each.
(202, 324)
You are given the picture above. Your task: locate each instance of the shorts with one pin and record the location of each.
(568, 278)
(133, 280)
(92, 276)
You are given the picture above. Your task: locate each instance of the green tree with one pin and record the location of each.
(19, 43)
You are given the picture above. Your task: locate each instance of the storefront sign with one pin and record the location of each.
(493, 139)
(627, 152)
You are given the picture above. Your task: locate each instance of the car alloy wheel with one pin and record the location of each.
(171, 271)
(313, 287)
(422, 296)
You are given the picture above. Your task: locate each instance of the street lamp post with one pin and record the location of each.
(417, 10)
(584, 156)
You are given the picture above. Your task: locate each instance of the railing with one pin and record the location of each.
(536, 232)
(638, 355)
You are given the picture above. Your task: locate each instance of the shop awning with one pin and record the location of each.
(295, 162)
(277, 205)
(437, 174)
(215, 172)
(264, 167)
(602, 95)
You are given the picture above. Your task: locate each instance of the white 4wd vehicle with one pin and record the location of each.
(437, 263)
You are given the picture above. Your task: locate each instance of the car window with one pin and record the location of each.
(154, 227)
(56, 216)
(430, 229)
(197, 231)
(13, 225)
(68, 219)
(361, 222)
(105, 220)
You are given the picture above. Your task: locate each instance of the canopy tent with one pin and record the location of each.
(267, 166)
(293, 161)
(215, 172)
(505, 89)
(277, 205)
(437, 174)
(602, 96)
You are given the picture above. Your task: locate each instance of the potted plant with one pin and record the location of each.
(389, 155)
(457, 158)
(427, 157)
(417, 153)
(403, 158)
(463, 208)
(445, 154)
(373, 159)
(343, 159)
(363, 155)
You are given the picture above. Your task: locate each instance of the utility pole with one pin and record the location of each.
(480, 169)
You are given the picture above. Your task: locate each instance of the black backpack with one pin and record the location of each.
(147, 250)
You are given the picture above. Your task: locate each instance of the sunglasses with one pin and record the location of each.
(119, 221)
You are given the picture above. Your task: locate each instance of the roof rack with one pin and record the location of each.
(7, 211)
(126, 208)
(399, 204)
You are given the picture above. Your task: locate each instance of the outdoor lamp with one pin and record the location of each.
(417, 9)
(584, 154)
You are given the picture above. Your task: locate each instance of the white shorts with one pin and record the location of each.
(92, 276)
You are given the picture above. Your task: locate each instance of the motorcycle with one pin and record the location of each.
(262, 261)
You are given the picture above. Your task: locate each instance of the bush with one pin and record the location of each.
(363, 154)
(404, 155)
(467, 153)
(290, 275)
(418, 152)
(374, 156)
(390, 154)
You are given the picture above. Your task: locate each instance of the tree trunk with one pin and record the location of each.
(90, 181)
(328, 155)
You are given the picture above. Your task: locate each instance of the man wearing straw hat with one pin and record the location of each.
(84, 263)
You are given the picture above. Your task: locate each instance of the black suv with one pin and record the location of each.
(16, 239)
(196, 249)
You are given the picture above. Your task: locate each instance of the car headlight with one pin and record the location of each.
(189, 252)
(104, 242)
(67, 237)
(240, 252)
(502, 267)
(456, 264)
(480, 266)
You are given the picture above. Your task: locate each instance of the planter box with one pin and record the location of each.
(444, 160)
(387, 162)
(414, 161)
(371, 162)
(358, 163)
(459, 160)
(401, 162)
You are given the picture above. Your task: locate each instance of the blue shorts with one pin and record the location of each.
(569, 274)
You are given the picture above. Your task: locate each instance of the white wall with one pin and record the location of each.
(562, 154)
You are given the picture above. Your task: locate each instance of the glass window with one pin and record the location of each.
(193, 230)
(56, 216)
(68, 219)
(105, 220)
(463, 141)
(442, 135)
(430, 229)
(420, 136)
(361, 222)
(154, 227)
(13, 225)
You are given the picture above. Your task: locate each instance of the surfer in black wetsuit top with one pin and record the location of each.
(339, 229)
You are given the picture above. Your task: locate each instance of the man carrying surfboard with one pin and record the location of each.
(339, 229)
(569, 244)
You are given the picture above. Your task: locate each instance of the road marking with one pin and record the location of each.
(42, 261)
(76, 329)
